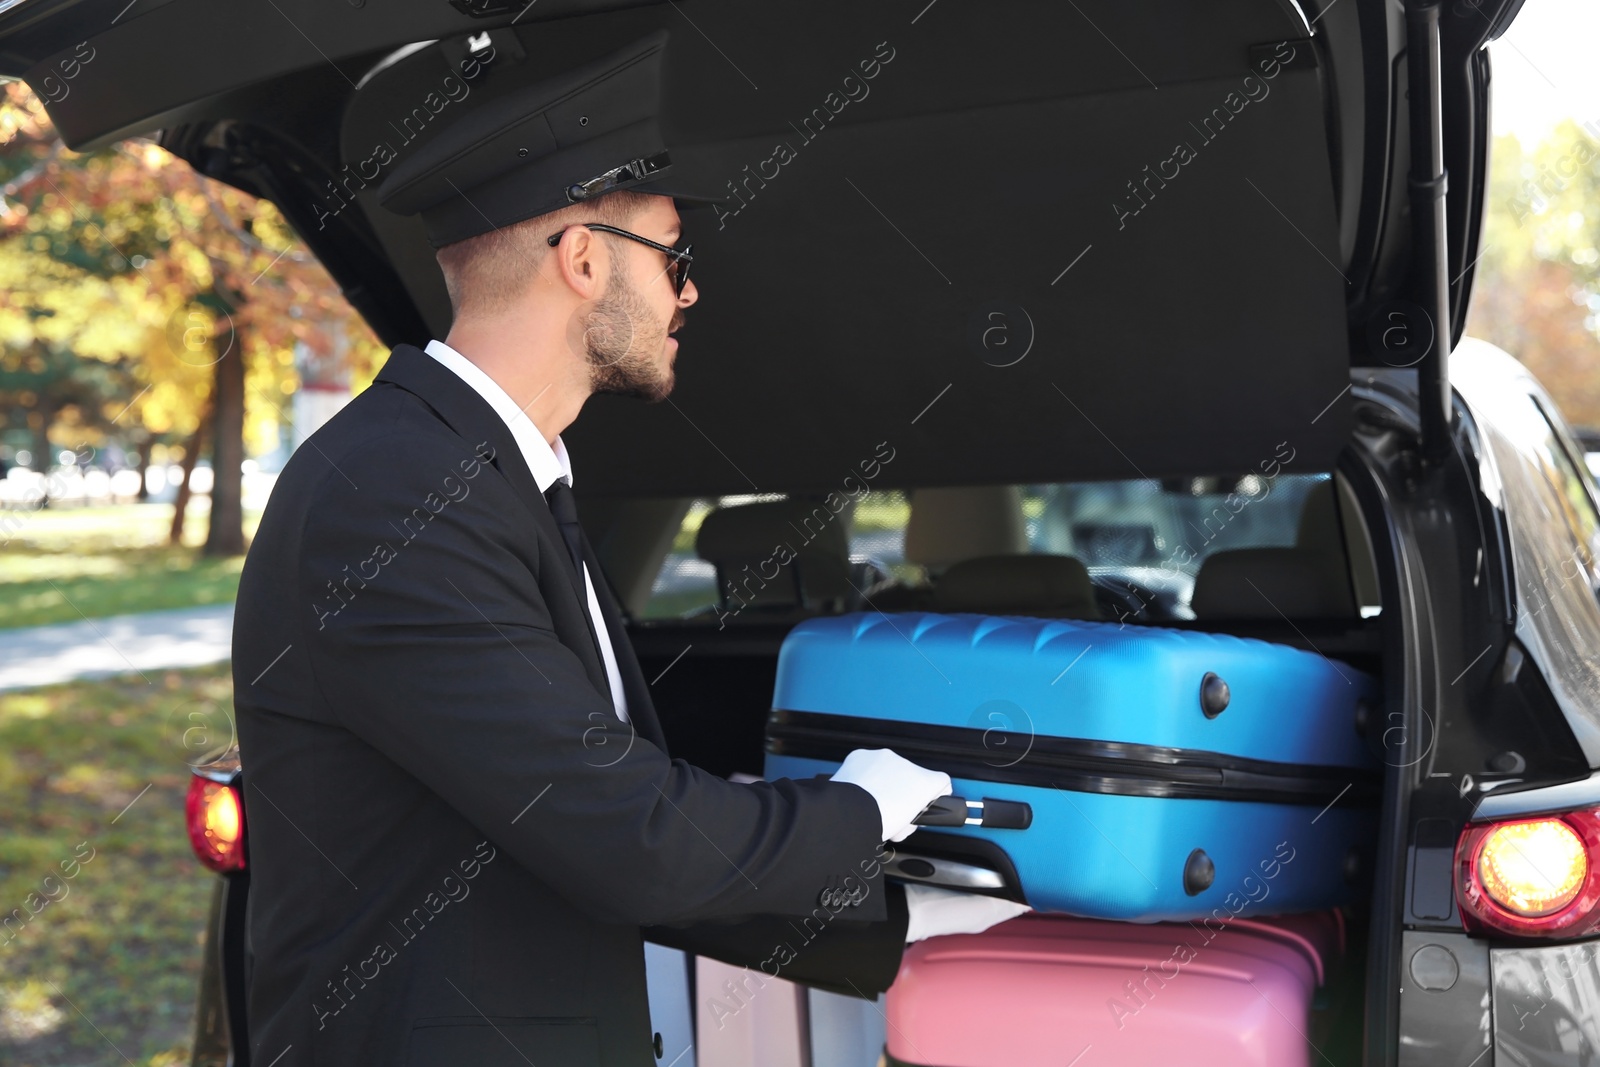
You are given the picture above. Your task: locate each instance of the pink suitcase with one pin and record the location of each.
(1048, 991)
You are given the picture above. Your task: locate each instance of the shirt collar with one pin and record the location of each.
(546, 464)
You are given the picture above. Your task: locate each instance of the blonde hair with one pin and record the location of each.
(488, 273)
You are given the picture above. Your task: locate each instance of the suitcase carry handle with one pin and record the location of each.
(958, 811)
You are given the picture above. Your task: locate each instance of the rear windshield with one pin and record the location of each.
(1151, 535)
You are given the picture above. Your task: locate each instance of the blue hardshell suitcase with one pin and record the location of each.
(1130, 772)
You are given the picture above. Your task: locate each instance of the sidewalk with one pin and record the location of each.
(150, 641)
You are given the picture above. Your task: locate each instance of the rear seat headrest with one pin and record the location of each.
(1018, 584)
(761, 526)
(758, 548)
(949, 525)
(1255, 583)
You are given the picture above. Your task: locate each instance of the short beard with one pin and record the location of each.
(618, 336)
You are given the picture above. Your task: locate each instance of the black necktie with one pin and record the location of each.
(564, 508)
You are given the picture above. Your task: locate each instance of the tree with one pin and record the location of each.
(198, 290)
(1537, 288)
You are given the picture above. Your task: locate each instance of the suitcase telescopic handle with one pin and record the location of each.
(958, 811)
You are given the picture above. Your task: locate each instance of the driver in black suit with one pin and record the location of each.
(447, 867)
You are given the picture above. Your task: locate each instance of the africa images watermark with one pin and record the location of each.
(785, 553)
(383, 553)
(1255, 90)
(451, 89)
(1540, 590)
(1234, 503)
(1141, 991)
(1256, 488)
(737, 995)
(36, 902)
(54, 86)
(854, 90)
(1536, 193)
(13, 518)
(411, 926)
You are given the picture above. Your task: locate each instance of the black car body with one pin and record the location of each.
(1072, 243)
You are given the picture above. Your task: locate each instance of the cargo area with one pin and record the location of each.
(1272, 555)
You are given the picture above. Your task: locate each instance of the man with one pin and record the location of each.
(446, 867)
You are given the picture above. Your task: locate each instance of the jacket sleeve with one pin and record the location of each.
(442, 654)
(857, 959)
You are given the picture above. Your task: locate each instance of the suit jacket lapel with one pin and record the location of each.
(641, 709)
(469, 415)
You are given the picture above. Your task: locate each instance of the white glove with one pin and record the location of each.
(901, 788)
(935, 912)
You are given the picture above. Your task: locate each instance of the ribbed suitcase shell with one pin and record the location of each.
(1100, 729)
(1045, 991)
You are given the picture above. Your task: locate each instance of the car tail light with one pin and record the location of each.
(216, 824)
(1535, 877)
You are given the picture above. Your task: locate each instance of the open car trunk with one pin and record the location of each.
(1016, 240)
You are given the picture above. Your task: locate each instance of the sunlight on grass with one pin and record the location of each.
(20, 567)
(63, 565)
(25, 705)
(100, 528)
(27, 1012)
(110, 912)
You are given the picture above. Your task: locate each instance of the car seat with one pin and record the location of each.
(1310, 579)
(778, 554)
(1051, 586)
(972, 541)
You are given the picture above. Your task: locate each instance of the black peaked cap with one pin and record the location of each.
(552, 144)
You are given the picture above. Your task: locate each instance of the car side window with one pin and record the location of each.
(685, 584)
(1571, 493)
(878, 533)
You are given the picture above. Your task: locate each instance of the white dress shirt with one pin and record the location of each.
(546, 464)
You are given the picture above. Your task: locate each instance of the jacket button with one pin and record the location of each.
(655, 1043)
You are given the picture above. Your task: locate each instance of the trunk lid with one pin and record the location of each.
(1016, 242)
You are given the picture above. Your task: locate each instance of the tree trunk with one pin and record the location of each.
(45, 415)
(145, 447)
(226, 534)
(180, 505)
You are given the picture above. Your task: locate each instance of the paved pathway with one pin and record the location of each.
(150, 641)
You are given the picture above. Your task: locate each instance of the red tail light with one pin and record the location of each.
(1536, 877)
(216, 824)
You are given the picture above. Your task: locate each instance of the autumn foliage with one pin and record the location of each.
(127, 285)
(1537, 288)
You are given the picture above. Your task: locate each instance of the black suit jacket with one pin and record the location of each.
(454, 842)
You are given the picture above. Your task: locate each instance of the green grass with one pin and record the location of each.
(113, 960)
(60, 565)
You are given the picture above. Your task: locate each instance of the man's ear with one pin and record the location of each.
(580, 259)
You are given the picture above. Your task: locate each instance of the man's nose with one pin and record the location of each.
(689, 295)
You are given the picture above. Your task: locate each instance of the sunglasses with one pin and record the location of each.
(678, 260)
